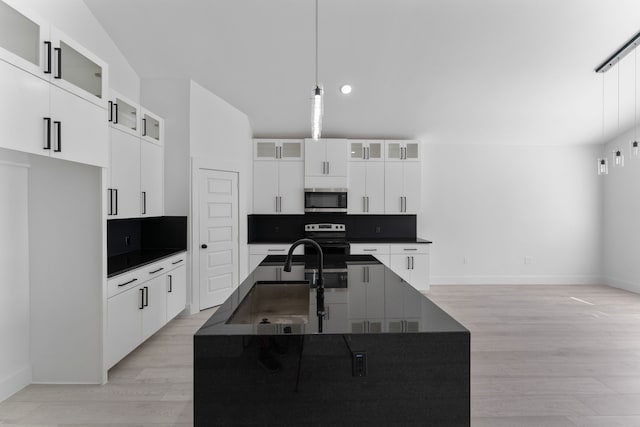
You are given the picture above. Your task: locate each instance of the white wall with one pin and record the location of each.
(221, 138)
(622, 217)
(15, 367)
(496, 205)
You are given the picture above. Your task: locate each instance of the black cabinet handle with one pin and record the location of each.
(177, 262)
(127, 283)
(144, 127)
(146, 296)
(204, 246)
(115, 191)
(156, 271)
(110, 111)
(59, 55)
(141, 306)
(170, 283)
(48, 60)
(110, 193)
(58, 126)
(115, 116)
(144, 202)
(47, 131)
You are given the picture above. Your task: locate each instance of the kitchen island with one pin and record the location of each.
(386, 355)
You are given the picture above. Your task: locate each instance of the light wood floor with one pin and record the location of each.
(541, 356)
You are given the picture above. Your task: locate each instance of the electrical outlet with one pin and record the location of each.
(528, 259)
(465, 260)
(127, 240)
(378, 229)
(359, 363)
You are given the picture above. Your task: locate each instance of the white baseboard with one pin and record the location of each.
(15, 382)
(623, 284)
(517, 280)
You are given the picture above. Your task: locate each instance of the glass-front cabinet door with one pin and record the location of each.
(124, 114)
(403, 150)
(152, 127)
(278, 149)
(22, 38)
(370, 150)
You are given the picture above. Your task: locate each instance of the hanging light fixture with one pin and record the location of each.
(603, 163)
(316, 103)
(635, 150)
(618, 155)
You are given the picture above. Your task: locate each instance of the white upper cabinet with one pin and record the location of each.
(151, 179)
(402, 183)
(278, 149)
(402, 150)
(366, 188)
(124, 176)
(361, 150)
(124, 114)
(22, 37)
(152, 127)
(325, 163)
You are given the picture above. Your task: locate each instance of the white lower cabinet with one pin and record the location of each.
(258, 252)
(142, 301)
(411, 263)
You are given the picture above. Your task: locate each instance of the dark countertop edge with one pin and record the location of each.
(355, 241)
(171, 252)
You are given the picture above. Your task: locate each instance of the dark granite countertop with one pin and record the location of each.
(353, 240)
(375, 300)
(122, 263)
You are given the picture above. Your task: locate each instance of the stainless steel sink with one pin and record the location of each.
(275, 302)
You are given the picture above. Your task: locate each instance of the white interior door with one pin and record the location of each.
(218, 236)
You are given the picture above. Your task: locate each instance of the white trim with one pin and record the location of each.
(15, 164)
(517, 280)
(15, 382)
(623, 284)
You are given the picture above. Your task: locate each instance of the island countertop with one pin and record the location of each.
(373, 300)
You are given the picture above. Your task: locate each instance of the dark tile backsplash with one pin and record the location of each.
(287, 228)
(134, 234)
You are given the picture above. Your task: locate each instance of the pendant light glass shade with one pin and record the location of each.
(618, 158)
(603, 166)
(635, 150)
(316, 113)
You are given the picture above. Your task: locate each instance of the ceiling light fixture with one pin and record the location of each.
(316, 103)
(345, 89)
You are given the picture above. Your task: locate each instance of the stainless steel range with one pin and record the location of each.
(332, 238)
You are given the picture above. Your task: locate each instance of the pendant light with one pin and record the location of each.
(316, 102)
(603, 163)
(618, 155)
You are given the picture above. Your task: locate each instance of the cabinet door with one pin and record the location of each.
(375, 151)
(124, 326)
(22, 37)
(124, 114)
(291, 187)
(401, 265)
(77, 70)
(292, 150)
(80, 131)
(394, 150)
(176, 291)
(315, 157)
(265, 149)
(125, 175)
(151, 179)
(356, 196)
(151, 127)
(412, 151)
(24, 107)
(420, 272)
(412, 181)
(154, 314)
(337, 157)
(265, 187)
(393, 186)
(375, 187)
(357, 151)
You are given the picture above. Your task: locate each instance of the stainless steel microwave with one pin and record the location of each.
(325, 200)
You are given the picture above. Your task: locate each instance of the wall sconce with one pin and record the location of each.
(603, 166)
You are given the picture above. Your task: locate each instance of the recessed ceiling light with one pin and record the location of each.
(345, 89)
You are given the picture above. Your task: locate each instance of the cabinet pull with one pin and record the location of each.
(369, 250)
(328, 170)
(177, 262)
(47, 131)
(115, 210)
(364, 204)
(58, 126)
(144, 202)
(410, 249)
(115, 115)
(412, 263)
(146, 296)
(156, 271)
(408, 263)
(170, 283)
(279, 150)
(110, 111)
(367, 203)
(144, 127)
(110, 195)
(59, 57)
(127, 283)
(366, 153)
(141, 306)
(48, 60)
(275, 250)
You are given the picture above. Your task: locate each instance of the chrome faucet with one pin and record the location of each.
(319, 283)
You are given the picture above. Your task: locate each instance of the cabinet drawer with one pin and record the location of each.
(369, 249)
(410, 249)
(176, 261)
(123, 282)
(279, 249)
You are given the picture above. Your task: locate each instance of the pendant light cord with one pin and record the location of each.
(316, 42)
(618, 96)
(603, 107)
(635, 92)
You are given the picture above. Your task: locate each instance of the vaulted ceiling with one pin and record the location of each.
(449, 71)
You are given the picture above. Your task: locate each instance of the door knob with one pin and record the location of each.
(203, 246)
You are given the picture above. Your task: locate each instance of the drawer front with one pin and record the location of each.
(124, 282)
(274, 249)
(176, 261)
(369, 249)
(409, 249)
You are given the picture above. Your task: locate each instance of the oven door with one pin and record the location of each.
(325, 200)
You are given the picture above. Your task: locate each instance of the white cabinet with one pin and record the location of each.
(378, 251)
(364, 150)
(402, 150)
(151, 179)
(152, 127)
(325, 163)
(258, 252)
(124, 114)
(278, 149)
(53, 91)
(278, 177)
(124, 176)
(366, 188)
(176, 289)
(411, 263)
(366, 298)
(142, 301)
(402, 187)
